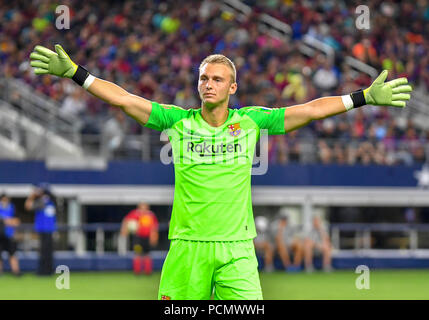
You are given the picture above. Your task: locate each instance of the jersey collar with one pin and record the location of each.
(206, 125)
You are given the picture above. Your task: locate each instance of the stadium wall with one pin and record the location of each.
(113, 262)
(139, 173)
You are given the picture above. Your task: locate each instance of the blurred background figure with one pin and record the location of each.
(113, 133)
(142, 224)
(74, 105)
(287, 241)
(263, 243)
(318, 242)
(7, 229)
(42, 202)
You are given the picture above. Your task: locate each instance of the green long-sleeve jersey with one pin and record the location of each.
(212, 194)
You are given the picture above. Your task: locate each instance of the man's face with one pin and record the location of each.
(4, 200)
(38, 192)
(316, 222)
(143, 206)
(215, 84)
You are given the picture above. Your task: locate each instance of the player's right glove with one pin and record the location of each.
(49, 62)
(59, 64)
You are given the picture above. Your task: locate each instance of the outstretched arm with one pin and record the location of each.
(58, 63)
(300, 115)
(124, 228)
(393, 93)
(29, 202)
(154, 237)
(135, 106)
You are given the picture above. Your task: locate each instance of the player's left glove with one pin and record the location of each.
(392, 93)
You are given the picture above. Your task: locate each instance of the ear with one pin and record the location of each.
(233, 88)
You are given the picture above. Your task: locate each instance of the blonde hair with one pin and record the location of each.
(221, 59)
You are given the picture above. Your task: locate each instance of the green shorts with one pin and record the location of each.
(194, 270)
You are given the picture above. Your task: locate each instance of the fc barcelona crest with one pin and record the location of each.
(234, 129)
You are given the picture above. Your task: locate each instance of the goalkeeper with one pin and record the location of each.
(212, 227)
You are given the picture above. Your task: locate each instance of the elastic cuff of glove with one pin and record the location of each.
(88, 81)
(358, 98)
(80, 75)
(347, 101)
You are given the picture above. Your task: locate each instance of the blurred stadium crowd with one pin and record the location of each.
(153, 49)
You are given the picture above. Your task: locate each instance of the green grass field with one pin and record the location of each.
(384, 284)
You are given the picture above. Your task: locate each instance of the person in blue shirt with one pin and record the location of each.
(8, 222)
(42, 202)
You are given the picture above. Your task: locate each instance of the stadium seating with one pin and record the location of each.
(270, 70)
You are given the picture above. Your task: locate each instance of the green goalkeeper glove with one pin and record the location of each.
(59, 64)
(47, 61)
(392, 93)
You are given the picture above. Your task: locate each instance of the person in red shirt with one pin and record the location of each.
(142, 224)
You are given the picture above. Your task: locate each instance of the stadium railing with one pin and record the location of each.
(38, 107)
(77, 236)
(34, 124)
(363, 233)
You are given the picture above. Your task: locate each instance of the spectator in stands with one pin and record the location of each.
(142, 224)
(364, 51)
(293, 146)
(263, 242)
(42, 202)
(113, 133)
(325, 78)
(7, 228)
(288, 241)
(74, 104)
(186, 98)
(317, 240)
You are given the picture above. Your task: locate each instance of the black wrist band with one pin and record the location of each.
(358, 98)
(80, 75)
